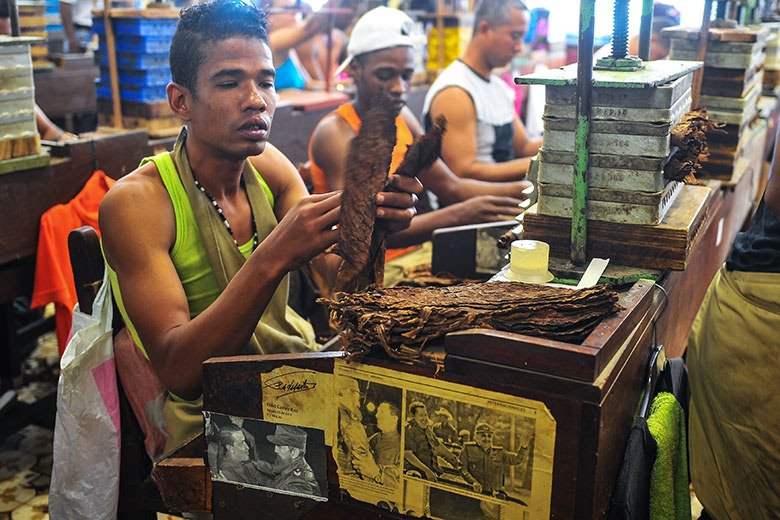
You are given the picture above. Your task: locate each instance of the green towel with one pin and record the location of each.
(669, 495)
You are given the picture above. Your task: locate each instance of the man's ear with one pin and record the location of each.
(483, 27)
(179, 99)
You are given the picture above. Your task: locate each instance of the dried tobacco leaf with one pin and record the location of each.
(368, 162)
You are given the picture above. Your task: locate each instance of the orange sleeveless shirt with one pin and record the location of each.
(404, 138)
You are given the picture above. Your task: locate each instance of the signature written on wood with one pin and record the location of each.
(291, 383)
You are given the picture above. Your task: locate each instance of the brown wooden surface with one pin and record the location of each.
(25, 195)
(184, 483)
(63, 92)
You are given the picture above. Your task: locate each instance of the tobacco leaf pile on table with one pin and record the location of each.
(361, 244)
(402, 320)
(690, 138)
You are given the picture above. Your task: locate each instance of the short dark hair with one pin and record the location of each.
(495, 12)
(207, 23)
(416, 405)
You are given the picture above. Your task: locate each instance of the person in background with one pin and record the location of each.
(381, 60)
(77, 22)
(486, 139)
(288, 32)
(313, 53)
(664, 15)
(733, 374)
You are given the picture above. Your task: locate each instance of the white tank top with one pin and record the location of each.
(494, 103)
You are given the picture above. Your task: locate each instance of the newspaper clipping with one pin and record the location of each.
(442, 450)
(276, 457)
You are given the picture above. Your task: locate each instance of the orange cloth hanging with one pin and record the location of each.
(53, 274)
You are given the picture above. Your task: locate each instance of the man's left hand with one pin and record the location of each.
(395, 209)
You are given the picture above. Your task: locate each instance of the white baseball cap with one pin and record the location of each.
(380, 28)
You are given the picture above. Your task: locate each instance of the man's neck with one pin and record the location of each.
(474, 59)
(220, 176)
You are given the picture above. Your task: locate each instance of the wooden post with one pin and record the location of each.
(704, 37)
(329, 53)
(440, 30)
(113, 70)
(579, 219)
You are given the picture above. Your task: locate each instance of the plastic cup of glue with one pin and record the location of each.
(529, 262)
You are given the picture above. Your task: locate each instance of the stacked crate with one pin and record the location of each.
(630, 142)
(142, 49)
(772, 61)
(32, 22)
(53, 18)
(18, 135)
(732, 84)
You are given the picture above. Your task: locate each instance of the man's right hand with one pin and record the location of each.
(487, 208)
(476, 486)
(307, 229)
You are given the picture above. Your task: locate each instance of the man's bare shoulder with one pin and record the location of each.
(451, 99)
(137, 204)
(330, 140)
(142, 187)
(331, 129)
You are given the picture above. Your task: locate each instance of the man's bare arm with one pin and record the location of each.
(523, 145)
(449, 188)
(137, 237)
(459, 147)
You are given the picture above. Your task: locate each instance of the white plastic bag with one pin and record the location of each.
(85, 475)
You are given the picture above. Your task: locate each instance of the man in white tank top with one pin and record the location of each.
(485, 138)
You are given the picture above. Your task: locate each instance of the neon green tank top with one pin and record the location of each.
(187, 254)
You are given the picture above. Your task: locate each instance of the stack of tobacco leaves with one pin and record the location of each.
(402, 320)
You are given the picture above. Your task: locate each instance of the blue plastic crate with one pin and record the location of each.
(136, 61)
(131, 93)
(145, 27)
(137, 27)
(143, 44)
(54, 28)
(139, 78)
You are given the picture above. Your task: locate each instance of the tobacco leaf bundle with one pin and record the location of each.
(361, 245)
(402, 320)
(368, 162)
(690, 138)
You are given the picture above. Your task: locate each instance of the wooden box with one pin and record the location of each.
(589, 390)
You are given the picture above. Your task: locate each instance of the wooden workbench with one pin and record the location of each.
(68, 92)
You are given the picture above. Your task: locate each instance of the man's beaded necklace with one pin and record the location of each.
(224, 218)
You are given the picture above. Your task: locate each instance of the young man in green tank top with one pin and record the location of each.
(233, 222)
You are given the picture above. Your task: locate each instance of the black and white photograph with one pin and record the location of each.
(480, 458)
(276, 457)
(369, 434)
